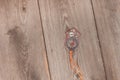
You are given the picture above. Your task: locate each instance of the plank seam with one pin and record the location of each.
(44, 38)
(100, 46)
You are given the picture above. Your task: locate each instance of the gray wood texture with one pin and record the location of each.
(55, 16)
(107, 14)
(32, 37)
(22, 50)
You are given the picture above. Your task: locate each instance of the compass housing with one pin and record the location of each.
(72, 36)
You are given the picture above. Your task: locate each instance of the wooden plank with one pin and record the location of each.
(22, 50)
(107, 13)
(56, 15)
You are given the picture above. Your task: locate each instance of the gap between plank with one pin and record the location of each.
(100, 46)
(44, 39)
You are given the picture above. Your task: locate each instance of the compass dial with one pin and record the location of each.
(71, 43)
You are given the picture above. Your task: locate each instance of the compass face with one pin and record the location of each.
(71, 43)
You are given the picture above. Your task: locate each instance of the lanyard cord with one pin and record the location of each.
(74, 66)
(72, 43)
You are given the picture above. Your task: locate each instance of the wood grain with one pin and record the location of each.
(56, 15)
(22, 50)
(107, 13)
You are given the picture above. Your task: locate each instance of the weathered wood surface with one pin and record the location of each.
(55, 16)
(22, 50)
(107, 14)
(32, 34)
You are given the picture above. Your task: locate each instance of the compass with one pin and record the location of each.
(72, 38)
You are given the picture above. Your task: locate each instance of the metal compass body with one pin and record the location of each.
(72, 38)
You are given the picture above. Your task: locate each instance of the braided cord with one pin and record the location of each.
(75, 67)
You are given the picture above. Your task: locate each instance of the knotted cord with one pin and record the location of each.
(75, 67)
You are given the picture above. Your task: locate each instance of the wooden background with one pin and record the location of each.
(32, 34)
